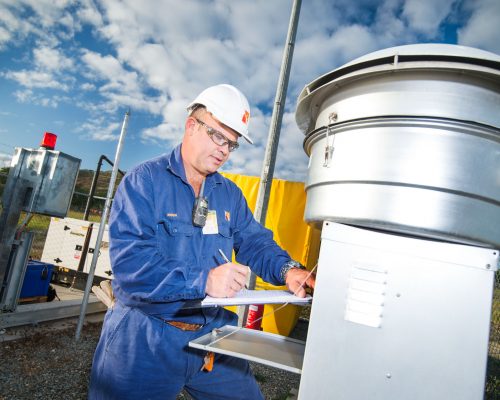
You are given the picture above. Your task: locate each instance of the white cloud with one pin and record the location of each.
(50, 59)
(23, 96)
(248, 158)
(88, 13)
(49, 66)
(36, 79)
(109, 68)
(164, 131)
(29, 96)
(11, 26)
(482, 29)
(310, 61)
(48, 12)
(154, 62)
(136, 101)
(425, 16)
(87, 86)
(294, 165)
(5, 159)
(46, 19)
(5, 36)
(121, 87)
(100, 130)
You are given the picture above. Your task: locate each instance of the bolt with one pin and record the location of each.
(398, 294)
(388, 375)
(488, 266)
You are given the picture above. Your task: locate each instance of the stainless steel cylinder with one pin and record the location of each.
(407, 140)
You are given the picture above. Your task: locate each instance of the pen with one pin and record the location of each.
(223, 256)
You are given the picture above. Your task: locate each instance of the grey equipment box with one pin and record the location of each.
(49, 177)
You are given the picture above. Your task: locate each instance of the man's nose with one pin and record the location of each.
(224, 148)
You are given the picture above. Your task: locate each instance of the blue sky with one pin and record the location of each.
(75, 67)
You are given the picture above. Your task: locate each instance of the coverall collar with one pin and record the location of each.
(176, 166)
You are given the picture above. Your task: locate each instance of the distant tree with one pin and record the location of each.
(4, 172)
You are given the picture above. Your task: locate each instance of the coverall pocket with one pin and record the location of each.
(225, 231)
(115, 322)
(178, 228)
(224, 240)
(174, 238)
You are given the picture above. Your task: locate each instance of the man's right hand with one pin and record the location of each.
(226, 280)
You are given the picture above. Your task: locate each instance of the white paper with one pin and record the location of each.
(245, 296)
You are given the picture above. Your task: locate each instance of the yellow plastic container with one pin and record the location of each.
(285, 218)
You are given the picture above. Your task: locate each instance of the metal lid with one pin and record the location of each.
(427, 51)
(430, 56)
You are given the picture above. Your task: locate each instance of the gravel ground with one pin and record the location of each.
(47, 363)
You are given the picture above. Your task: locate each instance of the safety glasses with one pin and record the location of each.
(218, 137)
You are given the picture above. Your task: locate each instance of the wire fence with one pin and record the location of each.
(64, 241)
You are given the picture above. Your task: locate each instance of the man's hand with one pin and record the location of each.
(226, 280)
(297, 281)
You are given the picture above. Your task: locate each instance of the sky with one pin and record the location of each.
(75, 67)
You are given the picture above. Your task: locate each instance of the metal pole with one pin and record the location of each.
(267, 173)
(102, 226)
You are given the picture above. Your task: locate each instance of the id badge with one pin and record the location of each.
(211, 227)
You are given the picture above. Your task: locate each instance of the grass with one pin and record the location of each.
(493, 379)
(40, 223)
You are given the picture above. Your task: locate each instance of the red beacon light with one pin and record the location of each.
(49, 141)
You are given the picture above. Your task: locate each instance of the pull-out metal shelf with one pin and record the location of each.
(262, 347)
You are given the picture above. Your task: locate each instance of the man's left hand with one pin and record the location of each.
(297, 280)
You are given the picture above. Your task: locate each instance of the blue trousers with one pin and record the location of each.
(142, 357)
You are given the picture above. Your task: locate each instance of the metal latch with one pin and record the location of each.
(332, 118)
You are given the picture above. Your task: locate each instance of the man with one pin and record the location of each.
(165, 258)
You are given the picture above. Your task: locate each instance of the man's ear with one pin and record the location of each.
(190, 125)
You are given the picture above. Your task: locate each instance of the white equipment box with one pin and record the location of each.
(396, 317)
(64, 245)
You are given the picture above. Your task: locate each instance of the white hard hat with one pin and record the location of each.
(228, 105)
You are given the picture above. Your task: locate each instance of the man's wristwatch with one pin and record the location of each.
(287, 267)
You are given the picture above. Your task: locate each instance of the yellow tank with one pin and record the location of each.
(285, 218)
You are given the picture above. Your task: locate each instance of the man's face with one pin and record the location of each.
(201, 152)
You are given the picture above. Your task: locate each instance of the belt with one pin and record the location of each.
(184, 325)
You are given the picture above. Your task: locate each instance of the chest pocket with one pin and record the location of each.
(174, 239)
(225, 231)
(224, 239)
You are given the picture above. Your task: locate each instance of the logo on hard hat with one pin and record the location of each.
(246, 117)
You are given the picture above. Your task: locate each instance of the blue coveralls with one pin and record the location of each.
(160, 263)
